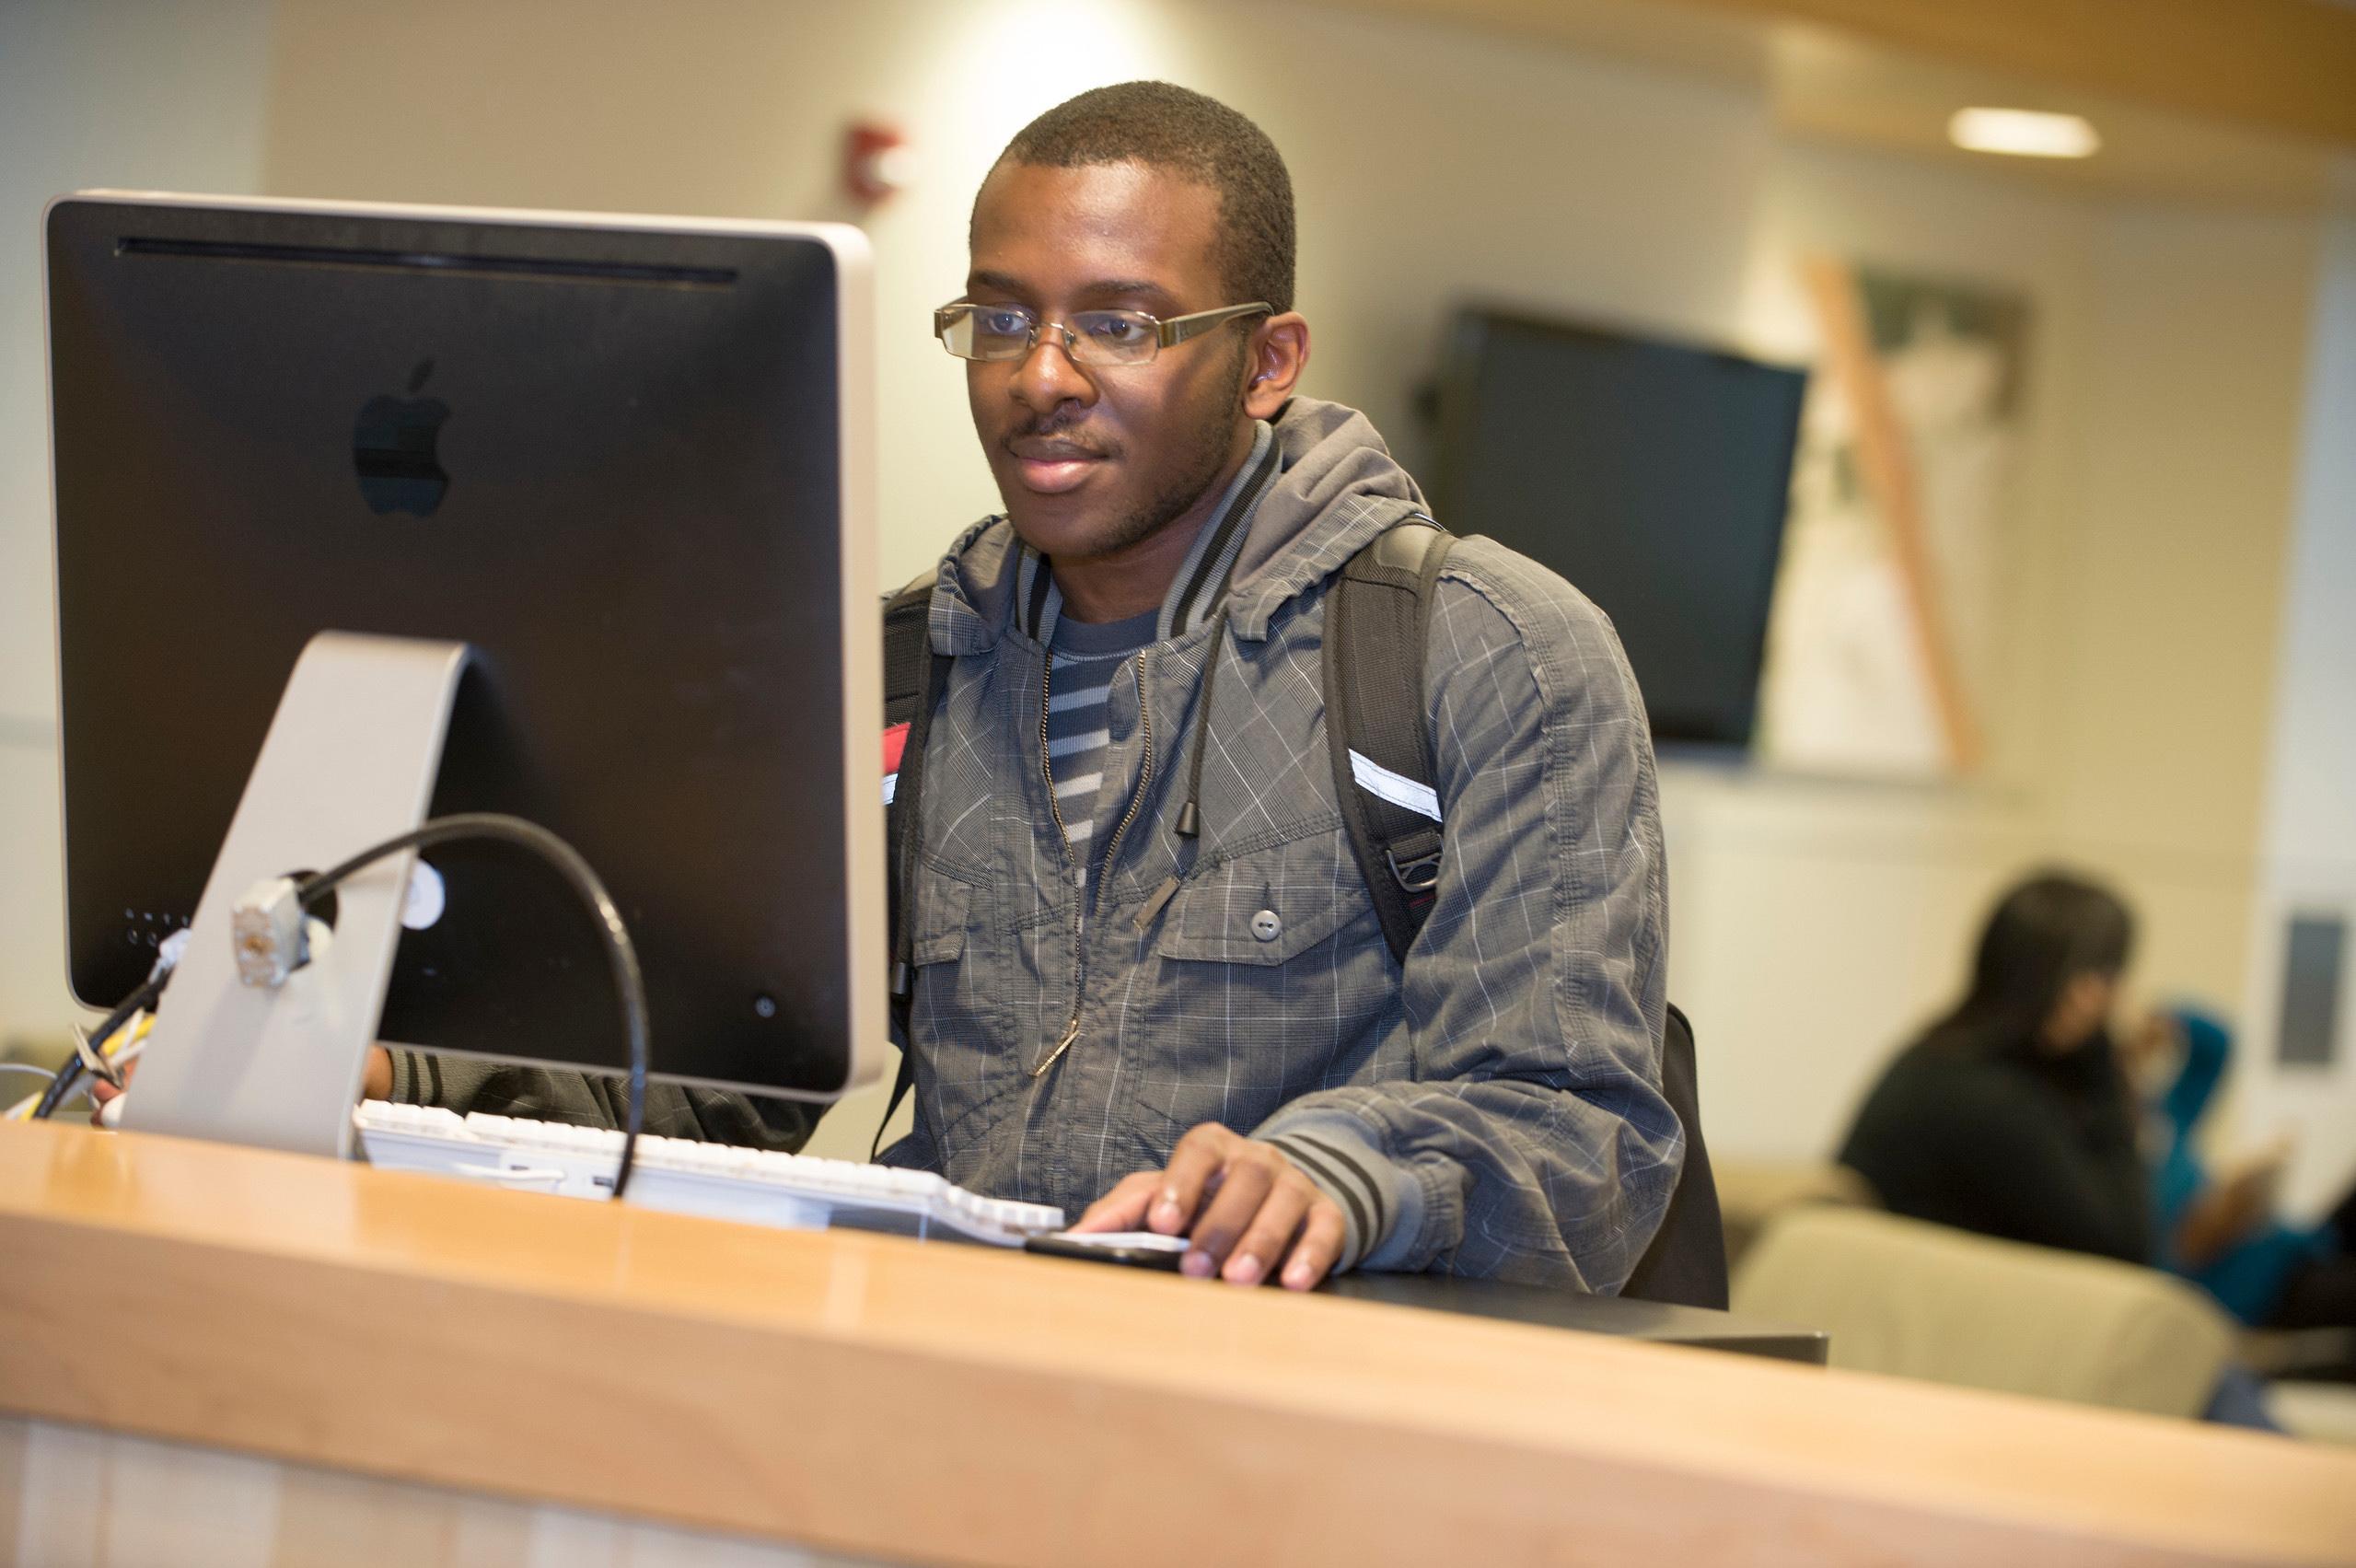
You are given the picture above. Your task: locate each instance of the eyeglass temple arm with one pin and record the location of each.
(1177, 329)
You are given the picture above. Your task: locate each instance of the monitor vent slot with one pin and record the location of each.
(453, 264)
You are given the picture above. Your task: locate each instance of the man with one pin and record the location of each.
(1149, 980)
(1204, 1033)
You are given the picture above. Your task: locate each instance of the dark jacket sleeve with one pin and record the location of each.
(464, 1084)
(1533, 1142)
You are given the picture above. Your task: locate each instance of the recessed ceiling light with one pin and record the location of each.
(2023, 132)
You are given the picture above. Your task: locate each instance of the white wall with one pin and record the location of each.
(1814, 923)
(165, 94)
(1428, 165)
(2200, 356)
(2310, 835)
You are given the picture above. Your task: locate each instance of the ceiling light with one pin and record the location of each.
(2023, 132)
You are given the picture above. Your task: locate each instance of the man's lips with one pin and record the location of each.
(1050, 468)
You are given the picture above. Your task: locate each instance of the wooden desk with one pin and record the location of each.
(1652, 1322)
(414, 1341)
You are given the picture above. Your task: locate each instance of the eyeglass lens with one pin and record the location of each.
(1091, 337)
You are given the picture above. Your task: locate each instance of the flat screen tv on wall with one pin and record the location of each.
(1653, 475)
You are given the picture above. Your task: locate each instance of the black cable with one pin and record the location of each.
(1190, 819)
(629, 982)
(61, 1086)
(621, 953)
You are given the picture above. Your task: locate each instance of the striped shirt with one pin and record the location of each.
(1089, 659)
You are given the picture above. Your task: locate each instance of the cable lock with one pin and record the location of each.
(271, 926)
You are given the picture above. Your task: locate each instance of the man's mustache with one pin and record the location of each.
(1050, 440)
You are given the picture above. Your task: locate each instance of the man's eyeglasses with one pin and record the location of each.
(1091, 337)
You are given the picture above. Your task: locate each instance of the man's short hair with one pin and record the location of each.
(1199, 138)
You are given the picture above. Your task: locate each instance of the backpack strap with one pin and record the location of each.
(1376, 620)
(1376, 623)
(914, 677)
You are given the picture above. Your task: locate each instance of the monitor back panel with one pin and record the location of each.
(607, 459)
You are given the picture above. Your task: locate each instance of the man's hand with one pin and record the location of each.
(1248, 1210)
(2147, 1047)
(2235, 1206)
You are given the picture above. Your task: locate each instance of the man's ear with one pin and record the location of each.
(1279, 352)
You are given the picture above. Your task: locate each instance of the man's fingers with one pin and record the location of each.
(1123, 1208)
(1193, 1165)
(1265, 1240)
(1321, 1244)
(1248, 1179)
(1247, 1209)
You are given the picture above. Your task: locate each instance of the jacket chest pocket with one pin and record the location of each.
(1267, 908)
(1272, 978)
(956, 1018)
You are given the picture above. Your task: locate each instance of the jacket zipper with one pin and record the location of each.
(1137, 800)
(1087, 906)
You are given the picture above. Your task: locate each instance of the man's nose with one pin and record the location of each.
(1045, 378)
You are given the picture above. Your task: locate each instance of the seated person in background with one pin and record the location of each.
(2221, 1231)
(1199, 1028)
(2016, 1116)
(2011, 1116)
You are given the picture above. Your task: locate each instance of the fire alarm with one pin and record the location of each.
(875, 162)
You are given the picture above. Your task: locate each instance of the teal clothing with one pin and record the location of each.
(2250, 1277)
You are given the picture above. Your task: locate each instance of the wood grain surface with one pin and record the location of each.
(877, 1397)
(2282, 65)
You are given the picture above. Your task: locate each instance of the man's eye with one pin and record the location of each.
(1002, 323)
(1118, 330)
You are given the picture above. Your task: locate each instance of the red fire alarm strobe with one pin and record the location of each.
(874, 161)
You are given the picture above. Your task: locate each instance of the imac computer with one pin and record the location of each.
(367, 513)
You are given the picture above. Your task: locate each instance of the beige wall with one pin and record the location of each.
(1814, 922)
(1489, 168)
(165, 94)
(2308, 859)
(2192, 440)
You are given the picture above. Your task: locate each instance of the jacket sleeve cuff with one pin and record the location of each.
(454, 1083)
(1380, 1198)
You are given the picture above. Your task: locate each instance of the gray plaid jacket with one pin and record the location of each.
(1067, 1029)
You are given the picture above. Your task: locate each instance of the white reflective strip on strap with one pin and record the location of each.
(1397, 788)
(892, 787)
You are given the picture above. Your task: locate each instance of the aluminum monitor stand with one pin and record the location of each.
(350, 761)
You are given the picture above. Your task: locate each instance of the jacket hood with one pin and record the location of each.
(1336, 486)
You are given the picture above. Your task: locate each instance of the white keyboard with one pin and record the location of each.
(715, 1180)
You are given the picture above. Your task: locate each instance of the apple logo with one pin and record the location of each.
(392, 449)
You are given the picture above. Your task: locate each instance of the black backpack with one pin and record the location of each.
(1376, 619)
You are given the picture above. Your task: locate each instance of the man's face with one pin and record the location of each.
(1093, 459)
